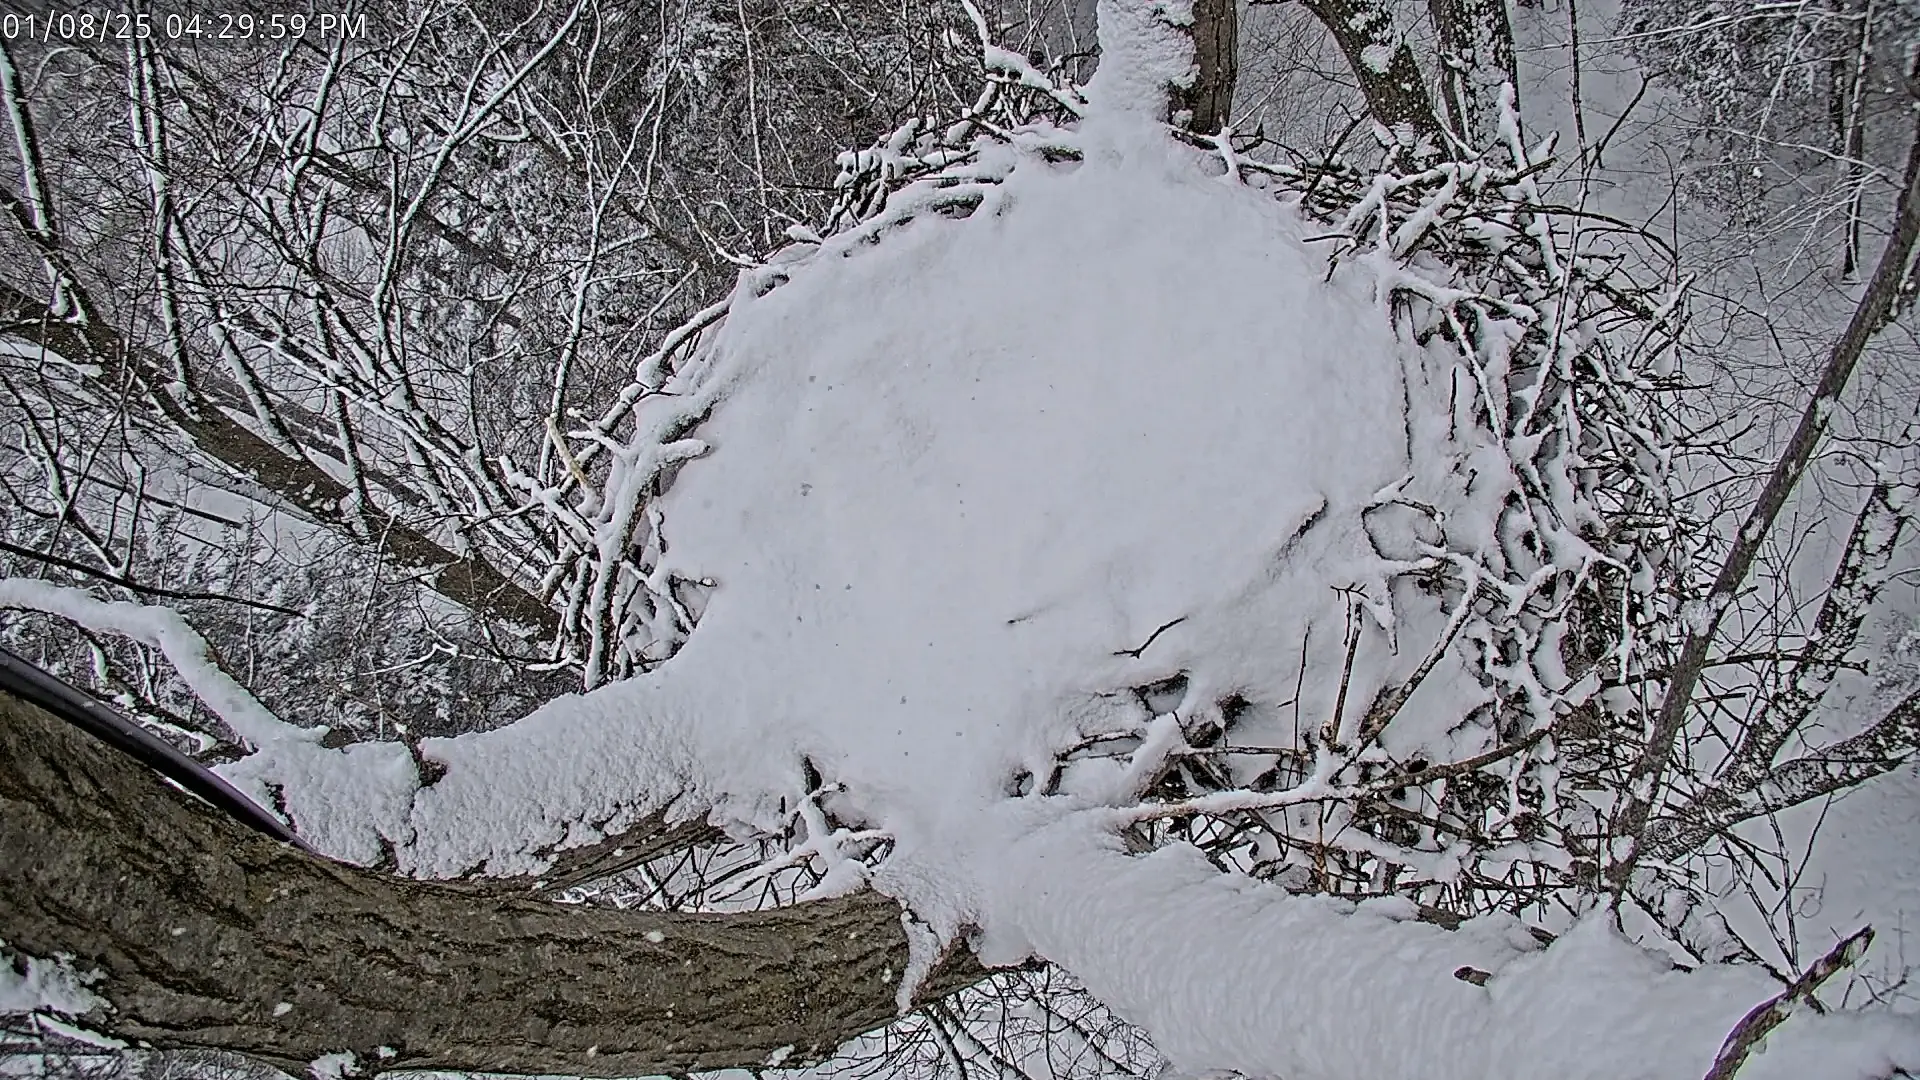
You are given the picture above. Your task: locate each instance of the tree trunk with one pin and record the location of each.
(1384, 64)
(1476, 60)
(1216, 52)
(209, 935)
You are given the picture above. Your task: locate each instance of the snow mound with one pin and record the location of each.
(966, 488)
(968, 484)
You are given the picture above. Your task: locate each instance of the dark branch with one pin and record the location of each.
(149, 590)
(1388, 74)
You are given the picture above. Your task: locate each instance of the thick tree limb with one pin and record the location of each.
(1887, 744)
(646, 841)
(208, 935)
(1384, 64)
(1216, 53)
(1476, 60)
(29, 683)
(464, 579)
(1753, 1028)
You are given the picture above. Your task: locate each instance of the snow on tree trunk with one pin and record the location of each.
(1476, 60)
(1146, 50)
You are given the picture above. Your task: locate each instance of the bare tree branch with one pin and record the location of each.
(128, 583)
(1888, 743)
(1872, 312)
(464, 579)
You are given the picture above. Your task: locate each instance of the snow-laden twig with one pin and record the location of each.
(166, 630)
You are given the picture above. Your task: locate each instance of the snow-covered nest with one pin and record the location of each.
(966, 487)
(967, 482)
(1073, 418)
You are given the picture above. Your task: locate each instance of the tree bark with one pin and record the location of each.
(1384, 64)
(1476, 60)
(1216, 53)
(208, 935)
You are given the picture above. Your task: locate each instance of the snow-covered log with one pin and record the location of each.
(182, 928)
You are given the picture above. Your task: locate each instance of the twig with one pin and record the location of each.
(1151, 638)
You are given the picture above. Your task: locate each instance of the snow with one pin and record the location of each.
(1227, 973)
(52, 1026)
(31, 984)
(338, 806)
(165, 630)
(938, 535)
(335, 1066)
(1142, 52)
(603, 758)
(345, 802)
